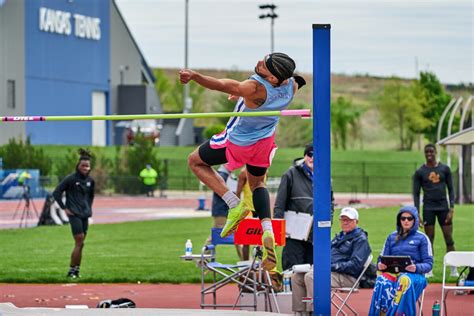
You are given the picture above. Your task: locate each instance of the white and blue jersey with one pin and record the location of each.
(246, 131)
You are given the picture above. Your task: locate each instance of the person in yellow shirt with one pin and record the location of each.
(149, 176)
(23, 178)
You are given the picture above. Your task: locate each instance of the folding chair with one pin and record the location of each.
(244, 275)
(455, 259)
(420, 301)
(349, 291)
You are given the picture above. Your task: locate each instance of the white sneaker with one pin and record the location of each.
(454, 272)
(429, 274)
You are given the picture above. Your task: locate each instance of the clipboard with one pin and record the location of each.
(298, 225)
(396, 264)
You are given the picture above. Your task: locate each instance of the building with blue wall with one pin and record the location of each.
(69, 57)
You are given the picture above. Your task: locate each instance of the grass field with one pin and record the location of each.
(149, 251)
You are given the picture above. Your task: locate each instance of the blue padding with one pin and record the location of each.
(210, 247)
(218, 240)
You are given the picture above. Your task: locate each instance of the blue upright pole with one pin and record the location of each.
(322, 169)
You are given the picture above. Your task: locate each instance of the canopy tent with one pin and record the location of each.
(465, 140)
(464, 137)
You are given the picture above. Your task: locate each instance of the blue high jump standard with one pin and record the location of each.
(322, 169)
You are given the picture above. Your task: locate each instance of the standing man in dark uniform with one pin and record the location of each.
(434, 177)
(79, 188)
(295, 193)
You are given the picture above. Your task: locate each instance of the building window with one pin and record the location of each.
(11, 94)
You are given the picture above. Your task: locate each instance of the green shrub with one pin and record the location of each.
(212, 130)
(22, 155)
(130, 160)
(67, 164)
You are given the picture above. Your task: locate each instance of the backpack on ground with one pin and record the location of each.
(118, 303)
(370, 276)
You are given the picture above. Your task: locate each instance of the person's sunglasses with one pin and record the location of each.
(406, 218)
(310, 154)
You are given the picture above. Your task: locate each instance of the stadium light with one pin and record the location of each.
(272, 15)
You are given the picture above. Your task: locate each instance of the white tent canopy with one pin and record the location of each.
(464, 137)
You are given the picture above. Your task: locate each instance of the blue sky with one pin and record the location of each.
(377, 37)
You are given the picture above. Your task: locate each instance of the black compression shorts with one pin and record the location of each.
(429, 217)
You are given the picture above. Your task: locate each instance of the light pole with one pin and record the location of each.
(186, 99)
(272, 15)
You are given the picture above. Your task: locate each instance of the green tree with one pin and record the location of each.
(294, 132)
(344, 116)
(400, 110)
(434, 101)
(171, 93)
(223, 103)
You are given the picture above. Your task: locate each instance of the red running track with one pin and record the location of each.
(182, 296)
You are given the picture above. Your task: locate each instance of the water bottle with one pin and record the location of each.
(436, 308)
(460, 283)
(287, 282)
(189, 248)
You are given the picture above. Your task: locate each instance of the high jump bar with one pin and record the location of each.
(304, 113)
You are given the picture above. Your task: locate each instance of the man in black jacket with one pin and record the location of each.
(295, 193)
(349, 251)
(79, 188)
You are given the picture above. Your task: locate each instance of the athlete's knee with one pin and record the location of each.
(79, 243)
(194, 159)
(256, 185)
(256, 182)
(429, 231)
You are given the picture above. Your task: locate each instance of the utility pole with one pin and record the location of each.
(187, 102)
(272, 15)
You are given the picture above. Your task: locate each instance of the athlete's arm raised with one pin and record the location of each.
(244, 89)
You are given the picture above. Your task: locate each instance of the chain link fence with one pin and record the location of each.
(355, 177)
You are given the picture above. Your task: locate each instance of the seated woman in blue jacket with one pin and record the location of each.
(396, 294)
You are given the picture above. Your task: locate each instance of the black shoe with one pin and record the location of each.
(73, 274)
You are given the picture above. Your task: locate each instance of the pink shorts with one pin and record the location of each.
(259, 154)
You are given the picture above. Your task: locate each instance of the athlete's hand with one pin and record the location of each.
(411, 268)
(449, 216)
(381, 266)
(185, 75)
(68, 212)
(232, 97)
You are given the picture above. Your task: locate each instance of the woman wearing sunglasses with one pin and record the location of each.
(397, 293)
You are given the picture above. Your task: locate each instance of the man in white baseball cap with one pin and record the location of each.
(350, 213)
(349, 251)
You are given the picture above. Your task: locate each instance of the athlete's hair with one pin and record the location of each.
(280, 65)
(84, 154)
(430, 146)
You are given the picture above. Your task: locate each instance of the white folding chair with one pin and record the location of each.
(250, 277)
(348, 291)
(223, 274)
(455, 259)
(421, 299)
